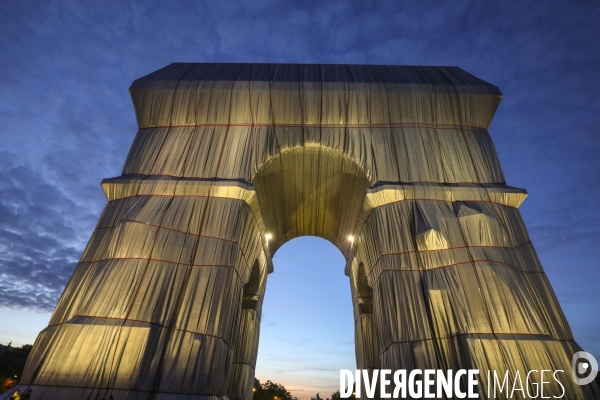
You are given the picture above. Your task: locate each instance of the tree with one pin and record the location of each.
(337, 396)
(12, 363)
(271, 391)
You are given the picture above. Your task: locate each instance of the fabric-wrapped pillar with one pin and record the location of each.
(365, 335)
(457, 285)
(158, 295)
(246, 345)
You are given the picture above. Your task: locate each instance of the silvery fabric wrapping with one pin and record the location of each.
(166, 300)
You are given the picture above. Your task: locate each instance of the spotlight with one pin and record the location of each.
(351, 238)
(268, 236)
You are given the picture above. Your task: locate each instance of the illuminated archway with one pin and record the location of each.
(394, 165)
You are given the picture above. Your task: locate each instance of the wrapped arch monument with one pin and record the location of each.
(394, 165)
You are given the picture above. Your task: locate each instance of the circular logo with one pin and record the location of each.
(584, 367)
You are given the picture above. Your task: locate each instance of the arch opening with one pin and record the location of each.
(307, 329)
(251, 290)
(311, 191)
(364, 292)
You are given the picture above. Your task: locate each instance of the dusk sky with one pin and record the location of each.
(66, 122)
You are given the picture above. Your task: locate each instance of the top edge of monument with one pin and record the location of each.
(312, 73)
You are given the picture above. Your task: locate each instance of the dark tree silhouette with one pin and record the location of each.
(271, 391)
(12, 363)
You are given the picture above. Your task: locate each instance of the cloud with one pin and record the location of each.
(39, 241)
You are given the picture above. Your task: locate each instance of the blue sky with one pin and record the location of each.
(66, 122)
